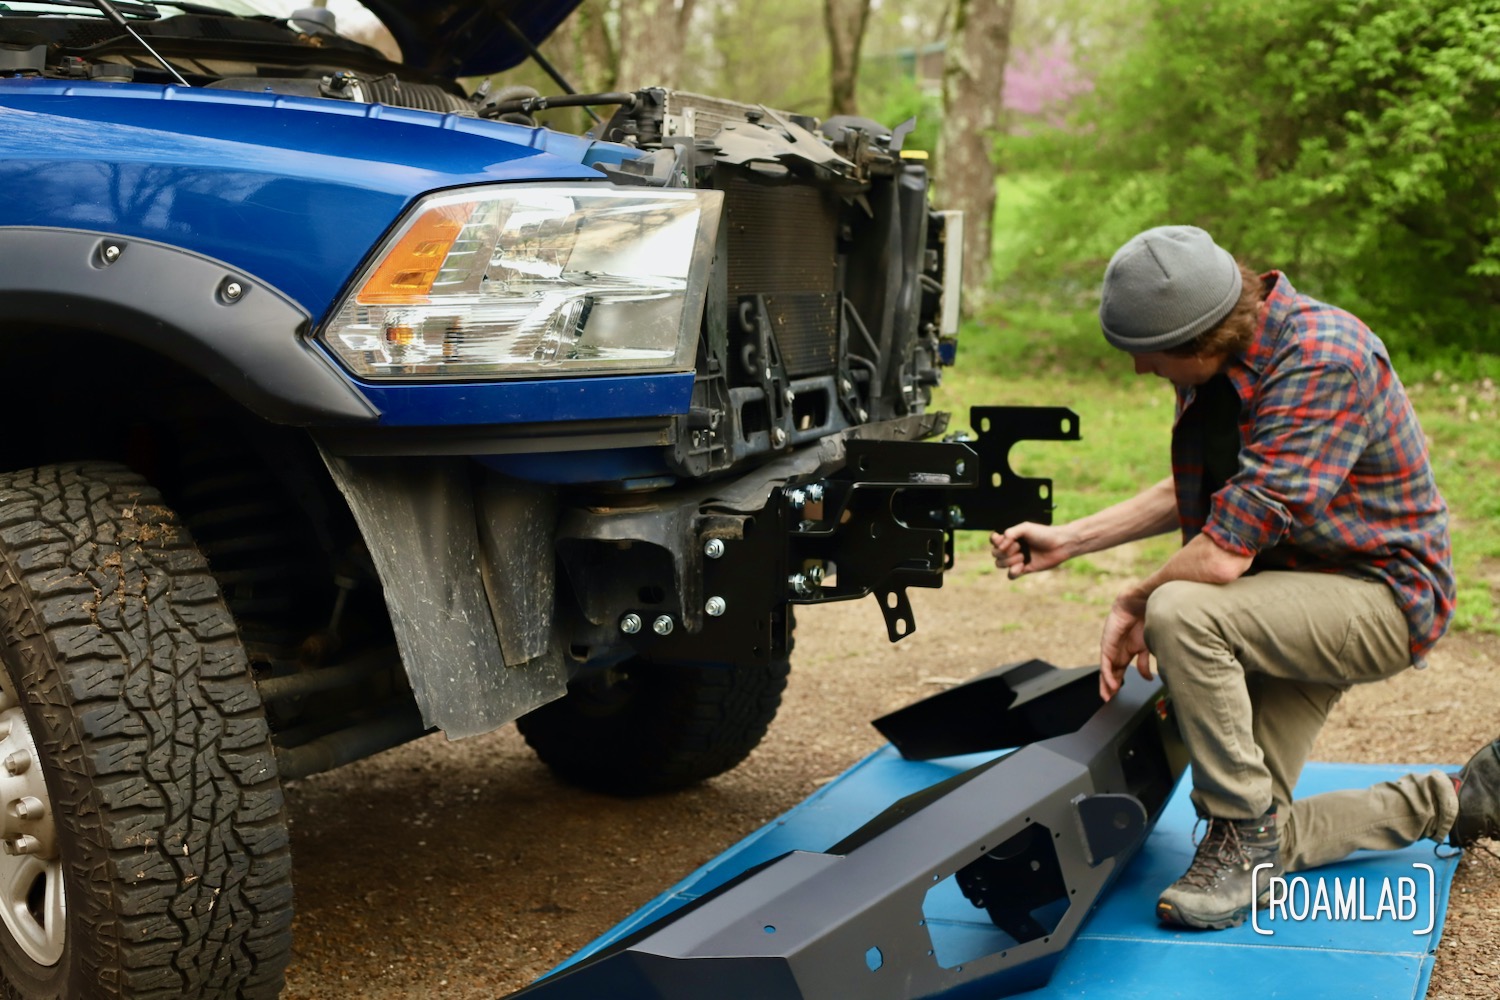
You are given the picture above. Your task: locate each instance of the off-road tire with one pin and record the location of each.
(653, 727)
(170, 824)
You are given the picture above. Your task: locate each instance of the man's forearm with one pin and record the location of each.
(1200, 560)
(1151, 512)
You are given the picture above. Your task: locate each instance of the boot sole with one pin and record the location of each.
(1168, 914)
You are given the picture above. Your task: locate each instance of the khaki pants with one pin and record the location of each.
(1254, 667)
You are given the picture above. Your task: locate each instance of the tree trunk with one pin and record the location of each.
(597, 63)
(649, 42)
(845, 21)
(973, 98)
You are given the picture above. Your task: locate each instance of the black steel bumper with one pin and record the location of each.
(1033, 837)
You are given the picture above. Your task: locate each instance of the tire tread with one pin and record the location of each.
(158, 755)
(684, 724)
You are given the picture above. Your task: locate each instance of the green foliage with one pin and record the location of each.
(892, 97)
(1351, 143)
(772, 52)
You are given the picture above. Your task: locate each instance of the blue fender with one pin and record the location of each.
(296, 191)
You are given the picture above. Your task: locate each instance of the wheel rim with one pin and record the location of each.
(32, 902)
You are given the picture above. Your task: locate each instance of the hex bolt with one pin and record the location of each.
(713, 548)
(630, 624)
(233, 290)
(778, 437)
(799, 584)
(845, 387)
(24, 844)
(28, 807)
(958, 468)
(111, 254)
(789, 396)
(796, 499)
(863, 414)
(18, 762)
(662, 625)
(814, 492)
(815, 575)
(956, 517)
(715, 607)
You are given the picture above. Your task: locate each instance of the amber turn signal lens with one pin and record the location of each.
(406, 274)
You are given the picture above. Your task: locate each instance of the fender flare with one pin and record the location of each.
(240, 333)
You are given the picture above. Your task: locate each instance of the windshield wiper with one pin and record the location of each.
(113, 13)
(139, 8)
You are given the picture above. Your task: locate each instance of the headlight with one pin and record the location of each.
(530, 280)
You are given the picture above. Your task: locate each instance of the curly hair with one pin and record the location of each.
(1231, 334)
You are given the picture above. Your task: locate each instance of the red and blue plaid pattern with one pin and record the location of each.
(1333, 473)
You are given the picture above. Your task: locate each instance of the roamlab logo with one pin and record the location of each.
(1355, 899)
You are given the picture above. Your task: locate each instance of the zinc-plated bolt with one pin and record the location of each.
(956, 516)
(815, 575)
(111, 254)
(800, 585)
(814, 492)
(789, 396)
(28, 807)
(778, 437)
(662, 625)
(845, 387)
(24, 844)
(18, 762)
(715, 607)
(958, 467)
(796, 498)
(713, 548)
(863, 414)
(233, 290)
(630, 624)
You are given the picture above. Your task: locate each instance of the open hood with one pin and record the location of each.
(452, 38)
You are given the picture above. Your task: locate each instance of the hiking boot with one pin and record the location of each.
(1215, 891)
(1478, 786)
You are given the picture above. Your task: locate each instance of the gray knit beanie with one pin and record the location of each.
(1165, 287)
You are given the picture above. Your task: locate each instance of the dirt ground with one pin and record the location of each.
(463, 870)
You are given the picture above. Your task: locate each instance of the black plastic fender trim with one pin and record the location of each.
(240, 333)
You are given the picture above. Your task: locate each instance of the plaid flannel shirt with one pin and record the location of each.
(1333, 474)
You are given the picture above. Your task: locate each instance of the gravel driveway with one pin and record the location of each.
(463, 870)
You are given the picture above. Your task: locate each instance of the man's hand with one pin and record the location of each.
(1124, 640)
(1029, 548)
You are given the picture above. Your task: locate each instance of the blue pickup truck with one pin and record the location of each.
(347, 405)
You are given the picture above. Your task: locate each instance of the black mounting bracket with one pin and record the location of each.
(770, 370)
(878, 521)
(1002, 498)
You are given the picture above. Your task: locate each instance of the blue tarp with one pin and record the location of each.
(1375, 936)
